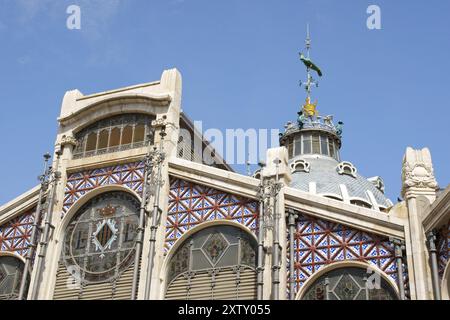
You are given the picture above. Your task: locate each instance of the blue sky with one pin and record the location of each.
(240, 67)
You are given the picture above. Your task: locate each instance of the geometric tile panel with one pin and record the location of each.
(78, 184)
(15, 234)
(191, 204)
(319, 243)
(444, 248)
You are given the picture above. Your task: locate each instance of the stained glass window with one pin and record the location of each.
(11, 270)
(99, 242)
(351, 283)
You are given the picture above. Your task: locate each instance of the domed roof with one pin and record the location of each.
(339, 180)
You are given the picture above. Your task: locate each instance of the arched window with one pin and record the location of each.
(99, 249)
(350, 283)
(11, 270)
(215, 263)
(114, 134)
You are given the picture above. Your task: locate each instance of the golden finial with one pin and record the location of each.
(309, 108)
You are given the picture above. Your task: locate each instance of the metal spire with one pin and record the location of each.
(309, 108)
(310, 82)
(308, 40)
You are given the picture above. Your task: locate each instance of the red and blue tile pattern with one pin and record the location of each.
(15, 235)
(130, 175)
(191, 204)
(319, 243)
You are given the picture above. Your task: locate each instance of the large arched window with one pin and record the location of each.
(99, 243)
(113, 134)
(11, 270)
(351, 283)
(215, 263)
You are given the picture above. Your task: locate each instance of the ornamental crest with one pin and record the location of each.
(104, 235)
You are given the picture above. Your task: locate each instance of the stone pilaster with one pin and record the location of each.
(277, 171)
(418, 189)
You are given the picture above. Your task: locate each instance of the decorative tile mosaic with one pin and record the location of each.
(319, 243)
(191, 204)
(78, 184)
(15, 235)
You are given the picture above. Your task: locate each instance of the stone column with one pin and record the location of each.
(275, 273)
(418, 190)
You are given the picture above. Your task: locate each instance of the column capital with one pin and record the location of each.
(417, 173)
(68, 140)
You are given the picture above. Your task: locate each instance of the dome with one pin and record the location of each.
(313, 144)
(337, 180)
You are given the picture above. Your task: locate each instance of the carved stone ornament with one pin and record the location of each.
(160, 122)
(417, 171)
(68, 140)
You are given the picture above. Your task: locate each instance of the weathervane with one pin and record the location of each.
(309, 108)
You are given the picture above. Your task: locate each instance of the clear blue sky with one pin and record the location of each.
(240, 69)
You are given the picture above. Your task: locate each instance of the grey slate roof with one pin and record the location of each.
(323, 171)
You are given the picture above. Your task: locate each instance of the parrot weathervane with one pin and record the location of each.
(309, 108)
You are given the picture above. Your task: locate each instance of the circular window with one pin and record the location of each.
(99, 242)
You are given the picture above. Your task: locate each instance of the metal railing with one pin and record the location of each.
(97, 152)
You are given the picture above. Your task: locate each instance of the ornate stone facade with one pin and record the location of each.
(199, 218)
